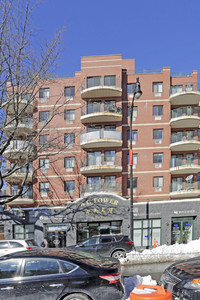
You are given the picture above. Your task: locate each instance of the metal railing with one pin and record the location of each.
(101, 82)
(185, 186)
(111, 187)
(185, 111)
(100, 107)
(102, 161)
(184, 136)
(101, 134)
(184, 162)
(20, 145)
(184, 87)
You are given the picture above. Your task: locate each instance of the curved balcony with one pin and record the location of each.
(24, 127)
(98, 166)
(185, 190)
(101, 187)
(185, 141)
(185, 117)
(184, 166)
(22, 201)
(99, 139)
(101, 88)
(19, 149)
(23, 105)
(100, 114)
(19, 176)
(185, 93)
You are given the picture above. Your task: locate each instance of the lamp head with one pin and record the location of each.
(138, 92)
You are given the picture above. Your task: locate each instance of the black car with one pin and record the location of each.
(110, 245)
(183, 279)
(56, 274)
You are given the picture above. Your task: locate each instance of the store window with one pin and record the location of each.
(23, 231)
(56, 235)
(182, 230)
(88, 229)
(1, 232)
(147, 232)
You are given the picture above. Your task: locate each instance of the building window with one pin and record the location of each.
(44, 188)
(110, 80)
(158, 111)
(69, 187)
(157, 158)
(70, 91)
(134, 135)
(88, 229)
(14, 189)
(110, 181)
(69, 139)
(135, 183)
(43, 140)
(176, 89)
(69, 162)
(158, 183)
(110, 156)
(43, 116)
(94, 81)
(134, 159)
(94, 158)
(70, 116)
(27, 192)
(110, 128)
(23, 231)
(130, 88)
(135, 112)
(188, 87)
(182, 230)
(44, 164)
(147, 233)
(44, 93)
(157, 134)
(157, 88)
(94, 184)
(110, 106)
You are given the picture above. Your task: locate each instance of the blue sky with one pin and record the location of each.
(157, 33)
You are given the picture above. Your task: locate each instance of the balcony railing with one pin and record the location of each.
(19, 148)
(179, 162)
(101, 134)
(184, 87)
(185, 186)
(99, 108)
(184, 136)
(101, 187)
(185, 111)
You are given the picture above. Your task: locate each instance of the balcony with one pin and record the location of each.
(21, 105)
(24, 127)
(101, 113)
(185, 190)
(19, 149)
(101, 88)
(183, 94)
(101, 188)
(185, 166)
(185, 117)
(185, 141)
(101, 139)
(19, 176)
(99, 165)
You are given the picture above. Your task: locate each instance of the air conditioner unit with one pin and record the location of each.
(158, 189)
(158, 117)
(44, 100)
(69, 169)
(158, 141)
(110, 163)
(158, 165)
(70, 98)
(157, 94)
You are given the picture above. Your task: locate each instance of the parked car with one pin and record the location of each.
(11, 246)
(57, 274)
(183, 279)
(110, 245)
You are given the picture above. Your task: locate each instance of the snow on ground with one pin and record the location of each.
(159, 254)
(163, 253)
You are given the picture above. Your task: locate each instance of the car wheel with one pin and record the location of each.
(119, 254)
(77, 296)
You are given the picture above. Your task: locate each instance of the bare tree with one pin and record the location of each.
(23, 71)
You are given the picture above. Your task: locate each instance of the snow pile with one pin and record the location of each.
(163, 253)
(131, 283)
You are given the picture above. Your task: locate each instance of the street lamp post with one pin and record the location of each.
(136, 95)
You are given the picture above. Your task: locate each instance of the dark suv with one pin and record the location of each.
(114, 245)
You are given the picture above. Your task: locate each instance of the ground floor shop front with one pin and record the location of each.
(155, 223)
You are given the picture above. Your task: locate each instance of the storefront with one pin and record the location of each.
(155, 223)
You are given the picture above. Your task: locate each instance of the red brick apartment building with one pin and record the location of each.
(93, 171)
